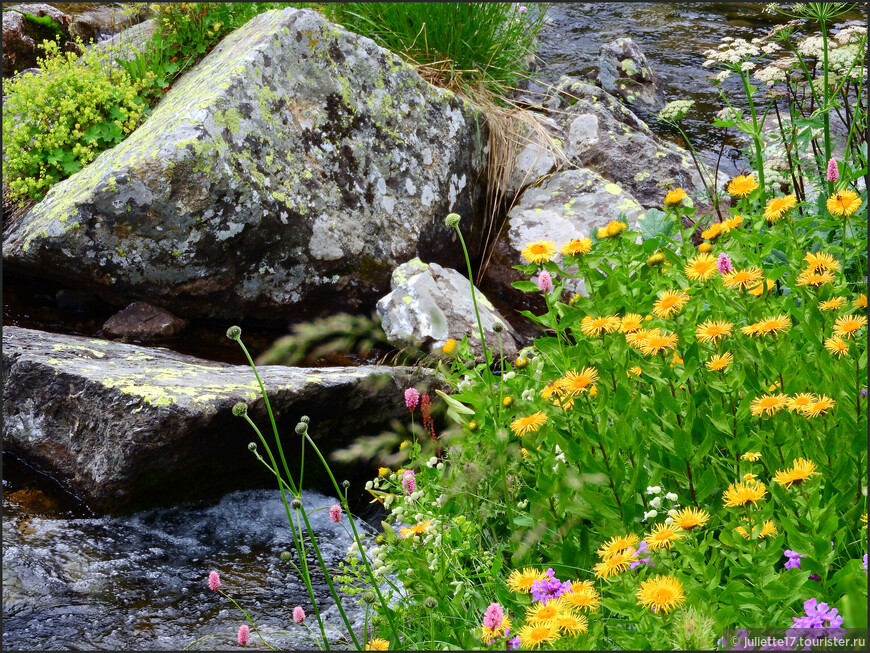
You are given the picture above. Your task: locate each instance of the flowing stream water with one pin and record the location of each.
(72, 580)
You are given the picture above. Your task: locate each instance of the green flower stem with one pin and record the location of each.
(756, 137)
(826, 113)
(248, 617)
(306, 576)
(714, 196)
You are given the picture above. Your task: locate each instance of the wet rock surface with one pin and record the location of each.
(429, 304)
(124, 427)
(624, 71)
(296, 165)
(142, 321)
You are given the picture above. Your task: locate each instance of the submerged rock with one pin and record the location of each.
(125, 427)
(143, 321)
(624, 71)
(288, 173)
(429, 304)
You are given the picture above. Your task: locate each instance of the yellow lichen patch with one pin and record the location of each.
(77, 348)
(613, 189)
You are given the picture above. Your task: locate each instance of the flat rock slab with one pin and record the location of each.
(125, 427)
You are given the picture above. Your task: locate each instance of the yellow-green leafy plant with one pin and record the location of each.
(61, 119)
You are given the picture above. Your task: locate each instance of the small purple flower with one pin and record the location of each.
(637, 562)
(523, 9)
(723, 264)
(545, 281)
(818, 615)
(514, 643)
(865, 563)
(794, 559)
(815, 577)
(833, 173)
(864, 392)
(549, 588)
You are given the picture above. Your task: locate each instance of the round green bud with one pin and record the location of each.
(234, 333)
(469, 364)
(286, 556)
(240, 409)
(498, 327)
(296, 504)
(301, 428)
(345, 484)
(369, 597)
(376, 619)
(252, 446)
(430, 603)
(305, 419)
(452, 220)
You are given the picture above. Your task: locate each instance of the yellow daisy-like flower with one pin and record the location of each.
(613, 565)
(749, 478)
(813, 278)
(689, 518)
(818, 261)
(617, 544)
(711, 331)
(701, 268)
(614, 228)
(583, 596)
(845, 327)
(416, 529)
(837, 346)
(533, 636)
(742, 185)
(751, 456)
(833, 304)
(378, 644)
(767, 529)
(801, 401)
(543, 612)
(539, 252)
(630, 322)
(660, 594)
(778, 207)
(601, 233)
(864, 521)
(748, 278)
(844, 202)
(770, 325)
(595, 326)
(670, 303)
(637, 371)
(740, 494)
(525, 452)
(529, 424)
(575, 247)
(759, 289)
(658, 343)
(656, 258)
(449, 346)
(662, 536)
(719, 362)
(860, 302)
(768, 404)
(571, 623)
(712, 232)
(705, 247)
(801, 470)
(639, 338)
(521, 581)
(674, 197)
(574, 383)
(732, 223)
(822, 405)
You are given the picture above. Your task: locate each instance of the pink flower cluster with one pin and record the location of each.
(335, 513)
(298, 614)
(409, 481)
(214, 581)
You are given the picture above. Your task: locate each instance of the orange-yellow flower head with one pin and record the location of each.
(613, 229)
(833, 304)
(847, 326)
(818, 261)
(701, 268)
(767, 529)
(800, 471)
(614, 565)
(844, 202)
(801, 401)
(534, 635)
(820, 407)
(639, 338)
(742, 185)
(731, 223)
(662, 536)
(837, 346)
(712, 232)
(583, 596)
(575, 247)
(631, 322)
(670, 303)
(813, 278)
(416, 529)
(760, 288)
(751, 456)
(711, 331)
(772, 325)
(543, 612)
(768, 404)
(539, 252)
(719, 362)
(576, 383)
(860, 302)
(747, 278)
(778, 207)
(521, 581)
(674, 197)
(618, 544)
(573, 624)
(596, 326)
(741, 494)
(689, 518)
(660, 594)
(529, 424)
(659, 343)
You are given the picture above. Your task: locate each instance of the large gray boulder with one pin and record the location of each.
(624, 71)
(429, 304)
(125, 427)
(285, 175)
(569, 205)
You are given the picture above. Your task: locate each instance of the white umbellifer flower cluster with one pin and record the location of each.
(811, 46)
(720, 77)
(770, 75)
(729, 114)
(675, 110)
(733, 52)
(746, 66)
(840, 60)
(851, 34)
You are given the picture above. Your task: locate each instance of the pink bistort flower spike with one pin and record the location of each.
(409, 481)
(833, 173)
(723, 264)
(214, 581)
(545, 281)
(298, 614)
(493, 617)
(335, 513)
(244, 634)
(412, 397)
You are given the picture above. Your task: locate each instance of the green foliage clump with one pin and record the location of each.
(60, 120)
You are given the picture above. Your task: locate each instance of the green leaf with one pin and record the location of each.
(455, 405)
(526, 286)
(654, 223)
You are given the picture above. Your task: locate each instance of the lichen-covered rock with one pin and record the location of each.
(601, 134)
(142, 321)
(288, 173)
(429, 304)
(22, 35)
(125, 427)
(569, 205)
(624, 71)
